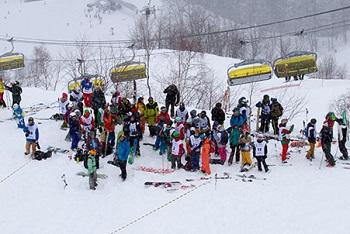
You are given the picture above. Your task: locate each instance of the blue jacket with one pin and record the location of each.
(86, 85)
(123, 148)
(18, 113)
(74, 126)
(236, 121)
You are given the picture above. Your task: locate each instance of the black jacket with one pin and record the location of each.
(218, 115)
(172, 94)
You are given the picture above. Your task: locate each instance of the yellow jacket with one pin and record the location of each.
(2, 87)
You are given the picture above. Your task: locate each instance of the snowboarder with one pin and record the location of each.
(123, 151)
(217, 114)
(87, 87)
(342, 135)
(260, 152)
(74, 130)
(196, 144)
(177, 150)
(326, 136)
(16, 91)
(276, 113)
(265, 113)
(206, 154)
(182, 112)
(311, 135)
(245, 142)
(32, 136)
(91, 166)
(2, 91)
(18, 115)
(172, 98)
(151, 112)
(284, 137)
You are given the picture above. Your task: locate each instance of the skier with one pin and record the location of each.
(162, 118)
(245, 144)
(2, 91)
(115, 107)
(196, 144)
(244, 109)
(132, 131)
(284, 137)
(177, 150)
(63, 107)
(235, 131)
(74, 130)
(330, 120)
(182, 112)
(140, 105)
(217, 114)
(16, 91)
(260, 152)
(342, 135)
(221, 139)
(311, 137)
(32, 136)
(109, 130)
(265, 113)
(98, 100)
(195, 119)
(91, 166)
(204, 122)
(172, 98)
(206, 154)
(87, 123)
(123, 151)
(87, 87)
(167, 134)
(326, 136)
(76, 98)
(18, 115)
(151, 112)
(276, 113)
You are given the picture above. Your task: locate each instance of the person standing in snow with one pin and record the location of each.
(276, 113)
(245, 142)
(140, 105)
(16, 91)
(244, 109)
(109, 129)
(132, 131)
(182, 112)
(206, 154)
(342, 135)
(326, 136)
(195, 119)
(218, 114)
(2, 91)
(265, 115)
(98, 101)
(196, 144)
(235, 131)
(87, 123)
(91, 166)
(311, 137)
(63, 108)
(76, 98)
(284, 136)
(74, 130)
(151, 112)
(260, 152)
(18, 115)
(123, 151)
(172, 98)
(177, 150)
(204, 122)
(32, 136)
(87, 87)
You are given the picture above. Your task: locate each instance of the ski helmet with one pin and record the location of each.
(313, 121)
(176, 134)
(284, 121)
(163, 109)
(30, 119)
(242, 100)
(193, 113)
(178, 119)
(260, 136)
(15, 106)
(73, 114)
(150, 99)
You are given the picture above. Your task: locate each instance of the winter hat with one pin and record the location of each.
(193, 113)
(176, 134)
(260, 136)
(178, 119)
(284, 121)
(163, 109)
(15, 106)
(218, 105)
(313, 121)
(64, 95)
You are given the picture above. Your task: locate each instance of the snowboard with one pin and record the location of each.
(84, 174)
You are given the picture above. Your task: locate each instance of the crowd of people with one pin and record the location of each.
(189, 139)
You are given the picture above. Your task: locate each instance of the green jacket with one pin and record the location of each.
(151, 112)
(235, 134)
(91, 164)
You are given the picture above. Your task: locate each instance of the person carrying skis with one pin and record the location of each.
(151, 112)
(342, 135)
(63, 107)
(204, 122)
(311, 135)
(123, 151)
(16, 91)
(326, 136)
(260, 152)
(284, 137)
(182, 112)
(206, 154)
(2, 91)
(265, 115)
(172, 98)
(18, 115)
(140, 105)
(87, 123)
(245, 142)
(91, 166)
(74, 130)
(196, 144)
(235, 131)
(217, 114)
(276, 113)
(76, 98)
(177, 150)
(32, 136)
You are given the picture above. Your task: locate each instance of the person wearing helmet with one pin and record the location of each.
(2, 91)
(244, 109)
(163, 116)
(87, 122)
(311, 134)
(276, 113)
(218, 114)
(172, 98)
(330, 119)
(122, 152)
(32, 136)
(260, 152)
(151, 112)
(74, 130)
(177, 150)
(265, 116)
(342, 135)
(87, 87)
(18, 115)
(196, 144)
(182, 112)
(91, 167)
(284, 137)
(235, 131)
(16, 91)
(326, 137)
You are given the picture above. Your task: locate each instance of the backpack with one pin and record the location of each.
(276, 110)
(39, 155)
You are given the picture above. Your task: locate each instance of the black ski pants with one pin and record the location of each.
(170, 104)
(326, 147)
(235, 150)
(264, 125)
(343, 149)
(275, 126)
(261, 160)
(122, 166)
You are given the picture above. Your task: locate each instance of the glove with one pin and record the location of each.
(27, 134)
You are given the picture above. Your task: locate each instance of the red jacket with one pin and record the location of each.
(165, 117)
(108, 122)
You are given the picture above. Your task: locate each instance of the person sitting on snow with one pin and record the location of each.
(32, 136)
(18, 115)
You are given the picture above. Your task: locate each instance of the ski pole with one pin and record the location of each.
(64, 181)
